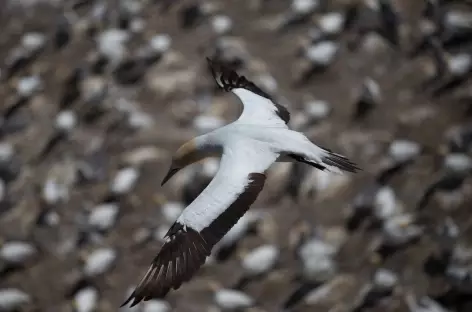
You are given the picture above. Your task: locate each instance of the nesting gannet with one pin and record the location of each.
(248, 147)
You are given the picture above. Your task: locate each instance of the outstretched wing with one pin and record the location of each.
(205, 221)
(258, 105)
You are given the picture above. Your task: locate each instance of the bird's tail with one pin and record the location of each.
(299, 148)
(334, 160)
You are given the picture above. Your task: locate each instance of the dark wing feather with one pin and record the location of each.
(175, 263)
(329, 159)
(307, 161)
(225, 221)
(336, 160)
(186, 250)
(228, 79)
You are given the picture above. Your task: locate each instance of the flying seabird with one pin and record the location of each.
(248, 147)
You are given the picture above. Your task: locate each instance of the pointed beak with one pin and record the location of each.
(169, 175)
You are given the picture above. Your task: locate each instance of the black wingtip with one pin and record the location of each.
(209, 62)
(135, 302)
(214, 68)
(213, 64)
(127, 300)
(184, 246)
(227, 79)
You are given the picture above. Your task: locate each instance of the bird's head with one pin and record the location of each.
(187, 154)
(192, 151)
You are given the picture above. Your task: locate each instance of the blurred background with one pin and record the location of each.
(96, 95)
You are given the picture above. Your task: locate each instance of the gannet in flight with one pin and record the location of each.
(248, 147)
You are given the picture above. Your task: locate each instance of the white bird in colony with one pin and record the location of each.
(248, 147)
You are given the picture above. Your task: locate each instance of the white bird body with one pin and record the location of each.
(245, 149)
(248, 147)
(240, 158)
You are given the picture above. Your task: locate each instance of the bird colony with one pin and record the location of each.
(97, 96)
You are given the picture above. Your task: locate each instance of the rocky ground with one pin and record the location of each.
(95, 95)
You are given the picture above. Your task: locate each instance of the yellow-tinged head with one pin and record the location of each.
(184, 156)
(189, 153)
